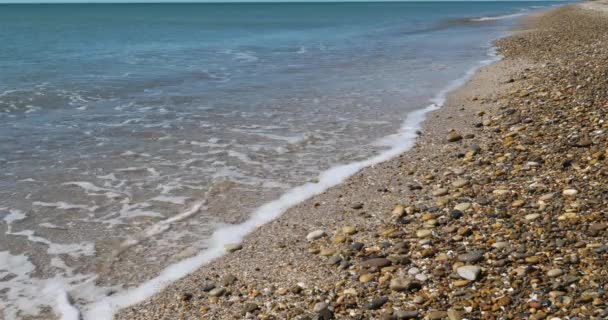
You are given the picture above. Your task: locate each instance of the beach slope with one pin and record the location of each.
(498, 211)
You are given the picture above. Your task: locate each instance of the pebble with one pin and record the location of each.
(532, 216)
(208, 286)
(349, 230)
(376, 303)
(453, 314)
(462, 206)
(469, 272)
(453, 137)
(232, 247)
(376, 262)
(314, 235)
(423, 233)
(217, 292)
(440, 192)
(436, 315)
(400, 284)
(553, 273)
(460, 183)
(473, 256)
(570, 192)
(406, 314)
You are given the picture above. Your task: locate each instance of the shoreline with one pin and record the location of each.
(270, 211)
(278, 270)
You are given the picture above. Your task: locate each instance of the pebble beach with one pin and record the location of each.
(498, 211)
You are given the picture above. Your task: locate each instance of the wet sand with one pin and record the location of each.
(498, 212)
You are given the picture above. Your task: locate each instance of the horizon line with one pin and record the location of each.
(256, 2)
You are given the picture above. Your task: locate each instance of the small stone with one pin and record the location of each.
(532, 216)
(365, 278)
(357, 206)
(217, 292)
(453, 314)
(473, 256)
(317, 234)
(468, 272)
(400, 284)
(460, 183)
(570, 192)
(405, 314)
(334, 260)
(208, 286)
(423, 233)
(453, 137)
(338, 239)
(349, 230)
(357, 246)
(398, 211)
(436, 315)
(376, 303)
(500, 245)
(320, 306)
(326, 252)
(229, 280)
(250, 307)
(462, 206)
(440, 192)
(517, 203)
(232, 247)
(376, 262)
(555, 273)
(456, 214)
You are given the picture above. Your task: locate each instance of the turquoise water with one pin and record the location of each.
(129, 133)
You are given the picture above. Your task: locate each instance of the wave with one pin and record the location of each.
(400, 142)
(501, 17)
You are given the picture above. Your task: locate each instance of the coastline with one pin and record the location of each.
(279, 273)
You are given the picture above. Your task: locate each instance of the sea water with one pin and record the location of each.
(136, 139)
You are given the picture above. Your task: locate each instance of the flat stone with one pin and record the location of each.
(436, 315)
(469, 272)
(229, 280)
(500, 245)
(570, 192)
(453, 137)
(532, 216)
(232, 247)
(453, 314)
(365, 278)
(459, 183)
(217, 292)
(208, 286)
(376, 262)
(423, 233)
(598, 227)
(314, 235)
(440, 192)
(349, 230)
(400, 284)
(250, 307)
(406, 314)
(462, 206)
(326, 252)
(553, 273)
(473, 256)
(376, 303)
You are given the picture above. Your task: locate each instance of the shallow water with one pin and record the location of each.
(129, 133)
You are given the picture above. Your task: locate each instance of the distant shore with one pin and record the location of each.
(497, 212)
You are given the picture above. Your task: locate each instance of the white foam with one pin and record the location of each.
(506, 16)
(400, 142)
(171, 199)
(62, 205)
